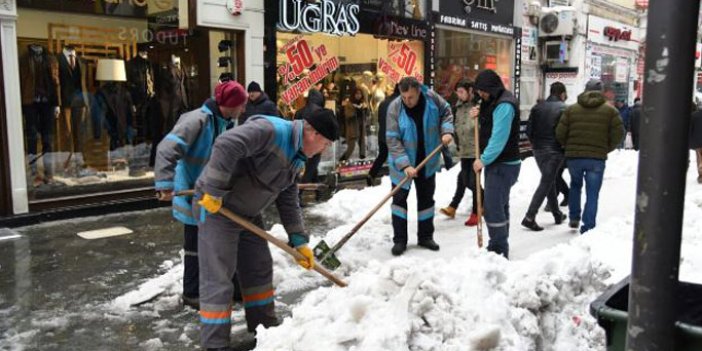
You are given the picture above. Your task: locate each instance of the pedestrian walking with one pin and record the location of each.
(636, 123)
(588, 131)
(258, 103)
(465, 144)
(541, 130)
(417, 123)
(696, 139)
(251, 167)
(499, 146)
(180, 158)
(374, 172)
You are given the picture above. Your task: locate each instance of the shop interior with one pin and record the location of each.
(353, 89)
(99, 92)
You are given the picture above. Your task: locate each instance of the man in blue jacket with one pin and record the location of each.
(181, 157)
(417, 123)
(499, 147)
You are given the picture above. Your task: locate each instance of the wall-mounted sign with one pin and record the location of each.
(495, 16)
(395, 27)
(403, 60)
(611, 33)
(305, 66)
(324, 16)
(235, 7)
(125, 8)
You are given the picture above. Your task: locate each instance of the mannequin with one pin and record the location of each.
(172, 97)
(140, 80)
(377, 95)
(39, 106)
(72, 99)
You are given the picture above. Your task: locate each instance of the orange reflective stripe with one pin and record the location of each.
(216, 314)
(259, 296)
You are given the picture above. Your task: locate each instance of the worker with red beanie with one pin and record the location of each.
(180, 158)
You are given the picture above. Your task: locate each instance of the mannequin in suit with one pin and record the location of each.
(140, 80)
(72, 99)
(40, 107)
(172, 96)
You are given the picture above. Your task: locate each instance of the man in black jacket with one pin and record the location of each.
(635, 123)
(382, 144)
(548, 153)
(315, 101)
(258, 104)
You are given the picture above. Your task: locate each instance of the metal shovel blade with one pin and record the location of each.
(323, 256)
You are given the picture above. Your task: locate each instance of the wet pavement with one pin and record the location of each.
(56, 288)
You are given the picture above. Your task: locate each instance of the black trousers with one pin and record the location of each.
(425, 210)
(311, 170)
(466, 179)
(561, 185)
(380, 160)
(191, 271)
(549, 163)
(39, 121)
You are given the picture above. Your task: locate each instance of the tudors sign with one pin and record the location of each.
(324, 16)
(494, 16)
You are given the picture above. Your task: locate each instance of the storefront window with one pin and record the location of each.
(350, 75)
(101, 85)
(463, 55)
(614, 70)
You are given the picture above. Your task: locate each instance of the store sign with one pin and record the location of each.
(320, 17)
(402, 61)
(494, 16)
(124, 8)
(476, 25)
(616, 34)
(613, 34)
(298, 73)
(235, 7)
(397, 28)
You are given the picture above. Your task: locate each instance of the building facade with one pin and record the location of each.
(93, 86)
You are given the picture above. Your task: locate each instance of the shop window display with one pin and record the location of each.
(350, 81)
(100, 91)
(463, 55)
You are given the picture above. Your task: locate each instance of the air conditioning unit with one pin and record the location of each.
(557, 22)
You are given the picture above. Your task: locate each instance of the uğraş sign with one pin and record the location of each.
(321, 17)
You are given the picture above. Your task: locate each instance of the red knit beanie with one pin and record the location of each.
(230, 94)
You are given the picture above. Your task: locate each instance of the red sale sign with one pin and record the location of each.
(302, 56)
(402, 61)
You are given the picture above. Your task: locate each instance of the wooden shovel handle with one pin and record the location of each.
(477, 183)
(279, 243)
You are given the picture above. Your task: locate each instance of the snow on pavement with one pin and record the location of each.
(462, 297)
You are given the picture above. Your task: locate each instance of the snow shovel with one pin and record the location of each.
(477, 183)
(279, 243)
(327, 256)
(270, 238)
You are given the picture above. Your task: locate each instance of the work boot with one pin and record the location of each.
(429, 244)
(531, 224)
(398, 249)
(559, 217)
(472, 221)
(574, 223)
(193, 302)
(449, 212)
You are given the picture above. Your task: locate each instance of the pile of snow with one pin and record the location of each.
(462, 297)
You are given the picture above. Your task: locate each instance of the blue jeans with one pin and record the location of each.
(592, 171)
(499, 179)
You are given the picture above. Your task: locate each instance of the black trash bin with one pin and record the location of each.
(610, 309)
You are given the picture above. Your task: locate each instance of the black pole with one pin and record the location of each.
(663, 160)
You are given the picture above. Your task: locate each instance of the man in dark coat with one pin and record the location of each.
(548, 153)
(696, 140)
(315, 101)
(382, 143)
(258, 104)
(635, 123)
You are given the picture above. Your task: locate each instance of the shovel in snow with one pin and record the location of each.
(326, 256)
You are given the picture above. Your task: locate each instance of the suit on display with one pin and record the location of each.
(140, 77)
(72, 99)
(172, 96)
(39, 106)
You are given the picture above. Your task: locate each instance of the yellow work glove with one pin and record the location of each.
(308, 262)
(211, 203)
